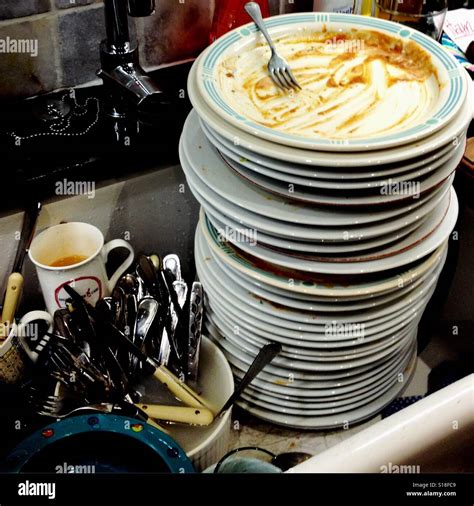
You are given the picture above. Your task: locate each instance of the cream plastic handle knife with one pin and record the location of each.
(192, 416)
(157, 426)
(12, 296)
(179, 389)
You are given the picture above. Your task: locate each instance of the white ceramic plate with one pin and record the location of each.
(280, 217)
(314, 373)
(328, 395)
(240, 335)
(313, 391)
(332, 237)
(239, 324)
(320, 395)
(453, 132)
(302, 369)
(326, 405)
(313, 344)
(293, 323)
(352, 198)
(334, 286)
(359, 173)
(352, 333)
(335, 310)
(351, 303)
(325, 409)
(333, 421)
(321, 371)
(262, 398)
(297, 247)
(328, 355)
(405, 257)
(258, 332)
(338, 385)
(198, 156)
(332, 185)
(452, 91)
(308, 303)
(306, 246)
(400, 242)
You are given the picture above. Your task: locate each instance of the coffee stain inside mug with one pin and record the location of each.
(68, 260)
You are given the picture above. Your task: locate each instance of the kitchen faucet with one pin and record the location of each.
(126, 83)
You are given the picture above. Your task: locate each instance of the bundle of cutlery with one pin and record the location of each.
(96, 356)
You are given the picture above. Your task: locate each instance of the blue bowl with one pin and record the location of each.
(98, 443)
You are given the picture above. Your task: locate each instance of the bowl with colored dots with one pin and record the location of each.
(102, 443)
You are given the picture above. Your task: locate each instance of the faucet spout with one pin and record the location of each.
(121, 71)
(132, 81)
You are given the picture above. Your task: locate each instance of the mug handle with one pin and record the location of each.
(26, 320)
(118, 243)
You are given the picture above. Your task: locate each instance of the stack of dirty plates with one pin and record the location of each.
(322, 227)
(311, 238)
(347, 349)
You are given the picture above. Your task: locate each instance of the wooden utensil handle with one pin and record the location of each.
(193, 416)
(12, 295)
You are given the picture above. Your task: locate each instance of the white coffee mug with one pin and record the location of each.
(88, 276)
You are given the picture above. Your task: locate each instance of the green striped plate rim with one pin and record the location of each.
(452, 103)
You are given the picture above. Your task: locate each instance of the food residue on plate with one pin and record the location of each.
(356, 84)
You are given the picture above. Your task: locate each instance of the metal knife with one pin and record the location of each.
(196, 309)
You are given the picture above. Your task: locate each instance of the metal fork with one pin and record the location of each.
(280, 70)
(49, 400)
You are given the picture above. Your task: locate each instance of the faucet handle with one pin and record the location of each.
(141, 8)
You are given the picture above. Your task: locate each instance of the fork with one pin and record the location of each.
(54, 406)
(280, 70)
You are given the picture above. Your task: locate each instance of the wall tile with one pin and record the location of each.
(18, 8)
(80, 33)
(67, 4)
(176, 30)
(23, 74)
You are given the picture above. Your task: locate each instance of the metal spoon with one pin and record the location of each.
(62, 323)
(154, 282)
(264, 357)
(118, 299)
(172, 263)
(146, 313)
(129, 283)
